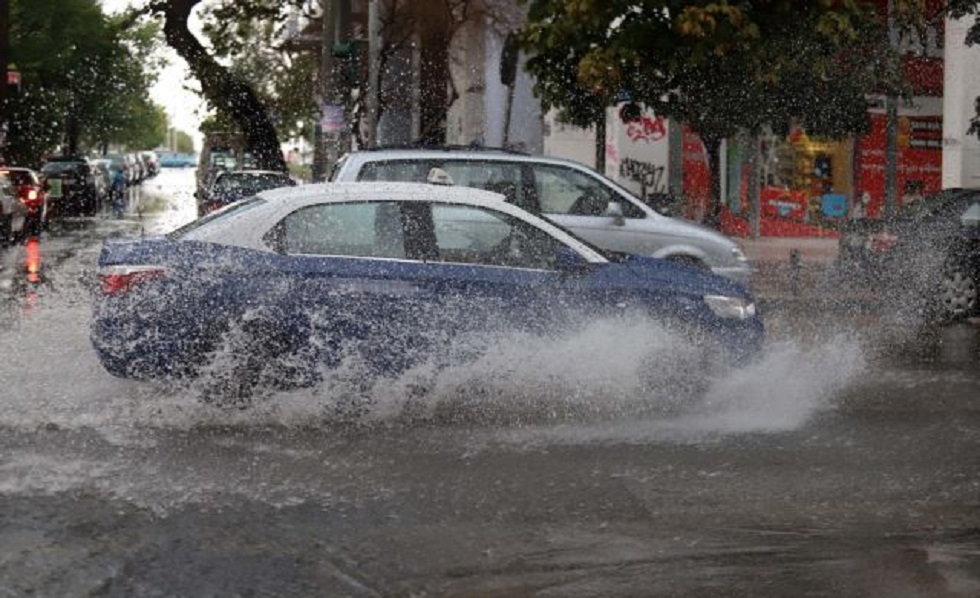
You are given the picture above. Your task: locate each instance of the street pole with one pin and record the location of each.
(755, 173)
(374, 73)
(891, 125)
(325, 79)
(4, 59)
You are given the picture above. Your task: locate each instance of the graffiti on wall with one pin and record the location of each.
(650, 176)
(648, 128)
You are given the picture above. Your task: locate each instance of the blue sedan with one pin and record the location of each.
(291, 282)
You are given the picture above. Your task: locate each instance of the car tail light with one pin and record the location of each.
(119, 280)
(28, 195)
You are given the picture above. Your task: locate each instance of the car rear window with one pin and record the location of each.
(59, 167)
(18, 177)
(231, 211)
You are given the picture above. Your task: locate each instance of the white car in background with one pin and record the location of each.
(565, 192)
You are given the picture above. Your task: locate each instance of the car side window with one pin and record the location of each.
(357, 229)
(564, 190)
(472, 235)
(401, 171)
(500, 177)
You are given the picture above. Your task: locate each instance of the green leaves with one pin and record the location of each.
(719, 64)
(85, 78)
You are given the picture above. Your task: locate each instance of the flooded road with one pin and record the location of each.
(828, 468)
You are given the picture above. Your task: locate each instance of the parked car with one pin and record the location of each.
(118, 162)
(29, 190)
(13, 214)
(151, 163)
(72, 185)
(232, 185)
(926, 258)
(568, 193)
(291, 280)
(136, 168)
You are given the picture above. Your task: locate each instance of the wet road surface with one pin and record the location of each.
(829, 468)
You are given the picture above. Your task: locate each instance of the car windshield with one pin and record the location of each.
(17, 177)
(490, 298)
(227, 213)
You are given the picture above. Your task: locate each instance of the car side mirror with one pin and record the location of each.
(615, 211)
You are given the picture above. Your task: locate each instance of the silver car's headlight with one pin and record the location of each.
(739, 255)
(730, 307)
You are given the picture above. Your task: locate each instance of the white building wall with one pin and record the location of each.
(961, 87)
(479, 115)
(567, 141)
(637, 154)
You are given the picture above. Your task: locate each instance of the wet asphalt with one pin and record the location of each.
(844, 463)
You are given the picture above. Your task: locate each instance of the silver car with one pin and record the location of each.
(565, 192)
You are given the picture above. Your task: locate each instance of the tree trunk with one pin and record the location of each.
(712, 147)
(600, 144)
(222, 89)
(71, 133)
(434, 36)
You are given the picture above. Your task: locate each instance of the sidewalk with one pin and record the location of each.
(811, 279)
(777, 249)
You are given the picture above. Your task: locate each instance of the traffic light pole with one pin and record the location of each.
(332, 134)
(891, 125)
(4, 60)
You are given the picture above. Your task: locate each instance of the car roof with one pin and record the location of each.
(67, 159)
(383, 191)
(253, 172)
(457, 153)
(281, 201)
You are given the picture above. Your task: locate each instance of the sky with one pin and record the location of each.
(184, 108)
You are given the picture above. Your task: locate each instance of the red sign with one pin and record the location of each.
(920, 158)
(13, 78)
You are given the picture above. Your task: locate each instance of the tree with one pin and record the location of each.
(185, 143)
(80, 85)
(717, 67)
(251, 42)
(220, 86)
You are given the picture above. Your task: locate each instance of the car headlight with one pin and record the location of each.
(739, 255)
(730, 307)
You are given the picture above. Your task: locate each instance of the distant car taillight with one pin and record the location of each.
(119, 280)
(29, 196)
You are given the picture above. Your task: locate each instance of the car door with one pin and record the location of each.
(581, 203)
(492, 273)
(353, 288)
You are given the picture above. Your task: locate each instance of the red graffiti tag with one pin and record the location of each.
(648, 128)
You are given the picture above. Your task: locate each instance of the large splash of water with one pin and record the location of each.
(625, 374)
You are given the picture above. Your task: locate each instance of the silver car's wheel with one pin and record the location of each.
(958, 294)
